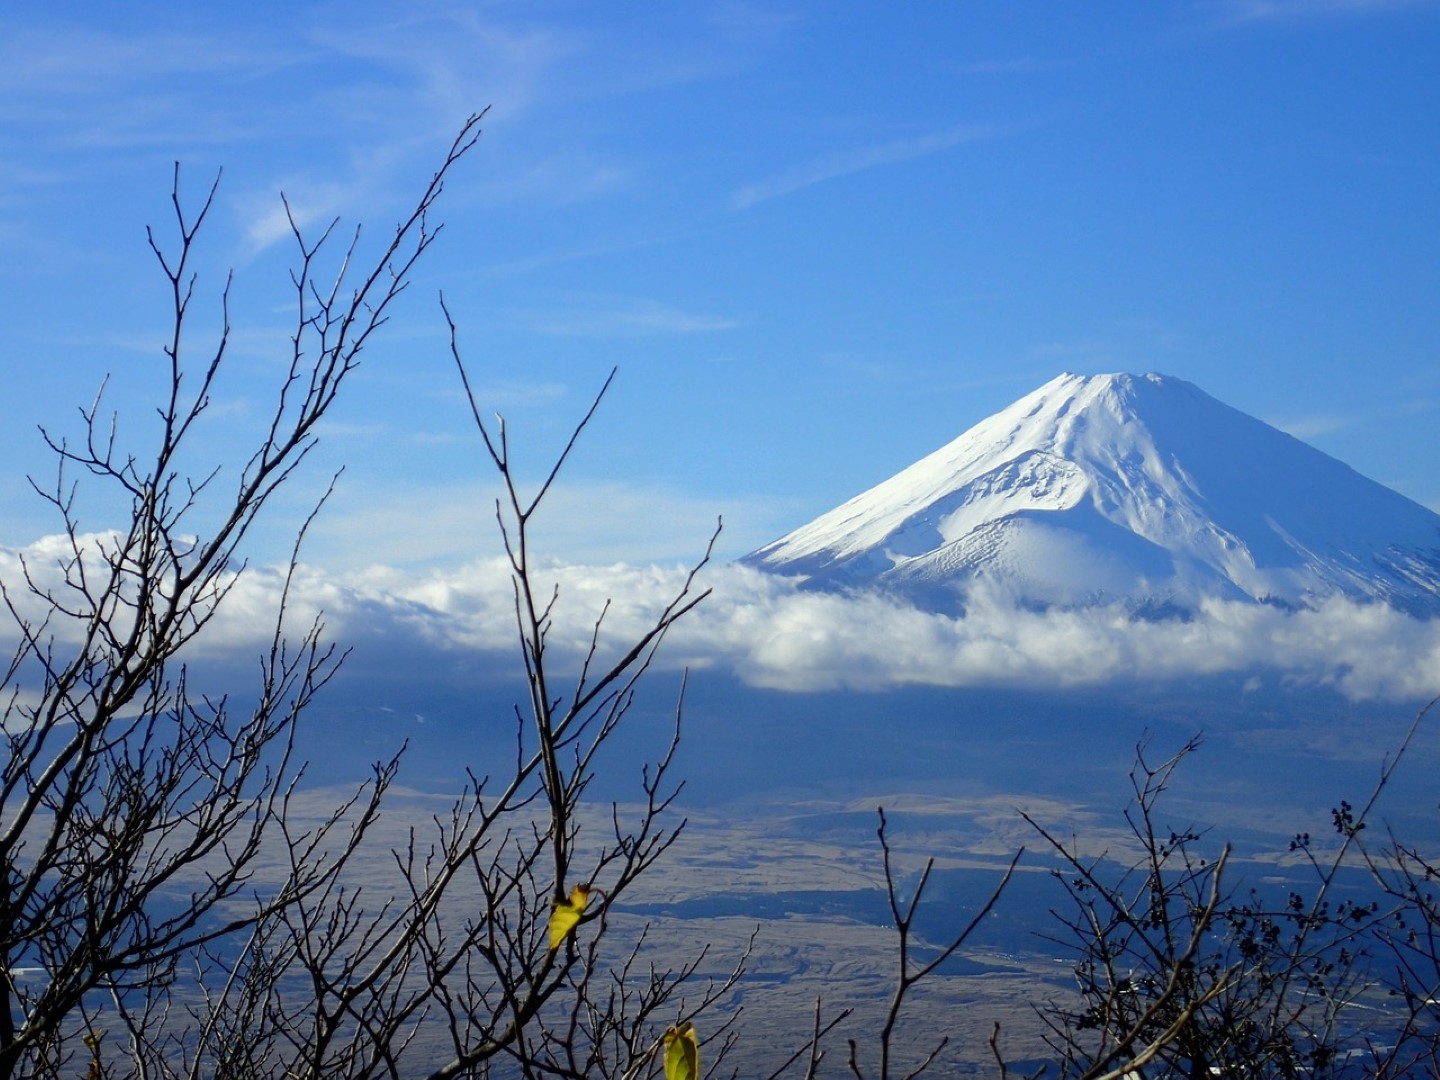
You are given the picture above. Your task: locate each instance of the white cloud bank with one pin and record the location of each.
(770, 633)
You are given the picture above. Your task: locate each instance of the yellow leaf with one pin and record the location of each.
(682, 1053)
(566, 915)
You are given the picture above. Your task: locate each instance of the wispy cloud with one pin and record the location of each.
(850, 162)
(1314, 425)
(594, 316)
(390, 89)
(268, 221)
(571, 175)
(78, 60)
(452, 60)
(583, 522)
(73, 89)
(83, 91)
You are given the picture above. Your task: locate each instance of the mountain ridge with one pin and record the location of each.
(1141, 489)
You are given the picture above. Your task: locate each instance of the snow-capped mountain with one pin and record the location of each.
(1136, 488)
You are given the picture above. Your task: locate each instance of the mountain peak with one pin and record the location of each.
(1118, 487)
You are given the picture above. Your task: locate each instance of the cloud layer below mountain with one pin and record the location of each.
(770, 633)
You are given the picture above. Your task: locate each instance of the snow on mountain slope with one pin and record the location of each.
(1139, 488)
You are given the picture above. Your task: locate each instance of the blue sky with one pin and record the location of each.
(819, 240)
